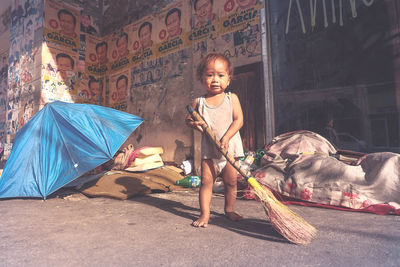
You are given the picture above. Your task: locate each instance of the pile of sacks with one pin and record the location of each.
(141, 159)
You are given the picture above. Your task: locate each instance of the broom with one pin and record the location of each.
(290, 225)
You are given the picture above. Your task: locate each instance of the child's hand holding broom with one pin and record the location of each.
(198, 125)
(286, 222)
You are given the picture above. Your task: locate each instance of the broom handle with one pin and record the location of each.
(196, 116)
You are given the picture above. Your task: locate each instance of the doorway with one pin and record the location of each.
(248, 84)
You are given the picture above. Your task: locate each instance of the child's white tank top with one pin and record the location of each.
(219, 118)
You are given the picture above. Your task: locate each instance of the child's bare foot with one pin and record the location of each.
(233, 216)
(201, 222)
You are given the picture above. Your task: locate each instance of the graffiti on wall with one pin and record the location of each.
(336, 8)
(148, 72)
(245, 43)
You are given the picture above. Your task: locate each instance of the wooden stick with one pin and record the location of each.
(285, 221)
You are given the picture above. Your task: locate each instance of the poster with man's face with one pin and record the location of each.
(205, 12)
(59, 75)
(238, 14)
(97, 55)
(88, 25)
(119, 86)
(120, 48)
(174, 23)
(144, 39)
(204, 21)
(91, 90)
(61, 24)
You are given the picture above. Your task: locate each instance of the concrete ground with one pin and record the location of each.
(155, 230)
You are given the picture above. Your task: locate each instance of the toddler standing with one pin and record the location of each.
(223, 113)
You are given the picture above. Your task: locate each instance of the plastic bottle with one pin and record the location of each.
(218, 186)
(189, 181)
(247, 162)
(258, 157)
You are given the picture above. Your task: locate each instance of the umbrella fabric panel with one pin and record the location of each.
(60, 143)
(22, 163)
(89, 135)
(107, 128)
(57, 165)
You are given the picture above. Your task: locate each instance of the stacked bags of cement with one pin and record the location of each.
(146, 158)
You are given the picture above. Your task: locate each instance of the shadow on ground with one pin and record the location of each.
(255, 228)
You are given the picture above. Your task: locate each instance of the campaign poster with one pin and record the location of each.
(144, 40)
(120, 48)
(91, 90)
(61, 24)
(97, 55)
(88, 25)
(118, 94)
(204, 20)
(59, 74)
(174, 24)
(237, 15)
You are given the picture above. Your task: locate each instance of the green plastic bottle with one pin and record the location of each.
(189, 181)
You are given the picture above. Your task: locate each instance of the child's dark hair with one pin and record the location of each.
(211, 57)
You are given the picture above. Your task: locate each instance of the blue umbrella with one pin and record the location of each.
(59, 144)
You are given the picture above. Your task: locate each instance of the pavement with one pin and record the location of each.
(70, 229)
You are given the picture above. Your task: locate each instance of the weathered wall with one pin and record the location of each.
(23, 74)
(23, 92)
(117, 13)
(153, 80)
(5, 22)
(162, 99)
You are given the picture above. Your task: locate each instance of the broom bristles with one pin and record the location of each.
(285, 221)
